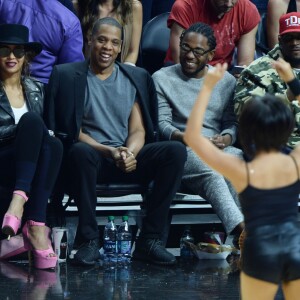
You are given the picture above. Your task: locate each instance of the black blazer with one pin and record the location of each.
(65, 99)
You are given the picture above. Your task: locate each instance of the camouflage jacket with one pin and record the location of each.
(260, 78)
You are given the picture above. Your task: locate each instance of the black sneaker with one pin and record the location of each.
(88, 253)
(153, 251)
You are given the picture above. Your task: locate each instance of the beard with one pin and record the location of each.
(195, 73)
(295, 62)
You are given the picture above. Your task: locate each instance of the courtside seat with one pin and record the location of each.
(155, 43)
(124, 197)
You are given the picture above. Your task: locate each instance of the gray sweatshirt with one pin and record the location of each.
(176, 97)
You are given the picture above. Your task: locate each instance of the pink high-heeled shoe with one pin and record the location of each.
(42, 258)
(12, 223)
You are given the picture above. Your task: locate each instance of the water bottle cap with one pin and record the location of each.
(111, 218)
(125, 218)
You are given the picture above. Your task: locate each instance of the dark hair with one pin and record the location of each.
(203, 29)
(265, 124)
(89, 13)
(108, 21)
(26, 64)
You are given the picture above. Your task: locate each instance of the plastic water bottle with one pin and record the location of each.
(124, 238)
(185, 251)
(110, 243)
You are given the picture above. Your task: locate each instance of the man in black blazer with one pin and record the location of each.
(106, 113)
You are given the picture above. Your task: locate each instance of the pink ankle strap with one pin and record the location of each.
(22, 194)
(33, 223)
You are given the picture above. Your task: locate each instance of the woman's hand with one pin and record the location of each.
(283, 69)
(214, 75)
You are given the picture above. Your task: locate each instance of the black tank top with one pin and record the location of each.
(270, 206)
(292, 6)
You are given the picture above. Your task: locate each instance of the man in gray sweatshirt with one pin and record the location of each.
(177, 88)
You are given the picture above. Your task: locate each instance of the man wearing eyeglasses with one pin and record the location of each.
(234, 22)
(177, 87)
(260, 77)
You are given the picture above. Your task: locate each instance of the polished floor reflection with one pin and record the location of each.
(192, 279)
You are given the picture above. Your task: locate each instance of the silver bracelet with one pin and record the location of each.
(51, 133)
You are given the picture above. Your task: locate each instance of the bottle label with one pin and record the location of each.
(109, 247)
(124, 247)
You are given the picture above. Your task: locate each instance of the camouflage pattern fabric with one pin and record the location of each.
(260, 78)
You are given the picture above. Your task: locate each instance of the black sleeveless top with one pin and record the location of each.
(270, 206)
(292, 6)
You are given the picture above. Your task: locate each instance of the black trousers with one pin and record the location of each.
(160, 162)
(30, 163)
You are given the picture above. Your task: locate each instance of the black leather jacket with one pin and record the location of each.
(34, 96)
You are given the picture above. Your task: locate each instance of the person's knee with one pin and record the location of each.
(31, 119)
(177, 151)
(31, 127)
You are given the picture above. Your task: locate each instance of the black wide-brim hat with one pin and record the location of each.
(16, 34)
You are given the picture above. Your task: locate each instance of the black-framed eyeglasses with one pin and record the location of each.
(6, 51)
(196, 51)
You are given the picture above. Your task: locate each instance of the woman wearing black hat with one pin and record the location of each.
(29, 156)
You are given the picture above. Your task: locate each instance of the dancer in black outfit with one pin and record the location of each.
(268, 185)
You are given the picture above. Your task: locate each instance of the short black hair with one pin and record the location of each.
(265, 124)
(203, 29)
(108, 21)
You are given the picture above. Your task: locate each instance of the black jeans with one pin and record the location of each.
(161, 162)
(31, 163)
